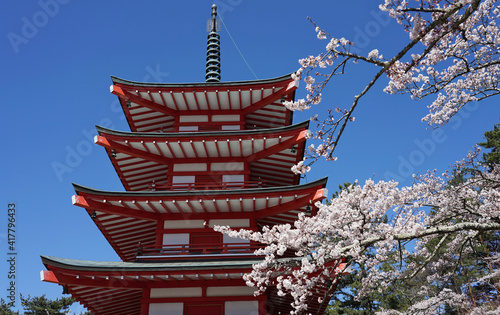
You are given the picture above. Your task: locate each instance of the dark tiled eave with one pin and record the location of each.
(117, 80)
(88, 265)
(191, 134)
(320, 182)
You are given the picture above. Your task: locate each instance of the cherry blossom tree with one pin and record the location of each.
(450, 59)
(353, 225)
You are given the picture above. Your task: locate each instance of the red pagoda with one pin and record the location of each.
(198, 155)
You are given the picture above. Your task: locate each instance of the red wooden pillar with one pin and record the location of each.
(263, 306)
(145, 301)
(159, 234)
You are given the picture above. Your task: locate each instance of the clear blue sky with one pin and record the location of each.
(56, 61)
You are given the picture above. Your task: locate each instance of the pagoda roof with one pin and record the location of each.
(110, 288)
(208, 85)
(94, 267)
(154, 106)
(127, 218)
(141, 159)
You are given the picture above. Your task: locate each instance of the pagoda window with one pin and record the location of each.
(183, 224)
(234, 245)
(237, 179)
(234, 291)
(241, 307)
(223, 118)
(188, 128)
(193, 118)
(176, 239)
(231, 127)
(183, 179)
(230, 166)
(204, 308)
(183, 182)
(175, 292)
(190, 167)
(234, 223)
(166, 308)
(228, 122)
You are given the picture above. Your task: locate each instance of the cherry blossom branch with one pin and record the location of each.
(454, 29)
(464, 226)
(431, 257)
(351, 229)
(446, 14)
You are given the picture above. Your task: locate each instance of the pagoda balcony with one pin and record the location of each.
(208, 186)
(197, 251)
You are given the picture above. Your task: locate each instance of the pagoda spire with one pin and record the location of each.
(213, 50)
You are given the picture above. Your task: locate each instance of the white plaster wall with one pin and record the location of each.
(193, 118)
(231, 240)
(190, 167)
(178, 238)
(175, 292)
(231, 222)
(230, 291)
(241, 308)
(226, 118)
(166, 308)
(183, 179)
(233, 178)
(230, 166)
(183, 224)
(231, 127)
(188, 128)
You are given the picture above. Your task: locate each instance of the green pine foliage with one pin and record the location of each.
(6, 309)
(344, 299)
(41, 305)
(472, 264)
(493, 143)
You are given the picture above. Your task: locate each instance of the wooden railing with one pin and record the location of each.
(208, 186)
(176, 250)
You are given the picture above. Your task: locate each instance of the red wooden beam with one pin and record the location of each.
(292, 205)
(278, 147)
(118, 91)
(48, 276)
(110, 209)
(103, 141)
(292, 86)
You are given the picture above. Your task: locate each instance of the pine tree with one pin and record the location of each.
(41, 305)
(493, 143)
(472, 265)
(6, 309)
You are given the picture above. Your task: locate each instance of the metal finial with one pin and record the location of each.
(214, 18)
(213, 50)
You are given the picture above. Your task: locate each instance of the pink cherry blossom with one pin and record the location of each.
(450, 60)
(351, 229)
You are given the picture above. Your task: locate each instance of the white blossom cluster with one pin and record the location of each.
(353, 228)
(460, 62)
(451, 59)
